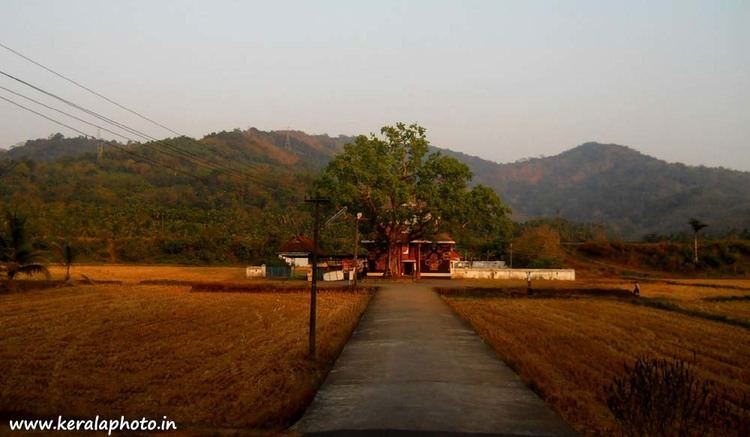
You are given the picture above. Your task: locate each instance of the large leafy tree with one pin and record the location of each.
(16, 253)
(406, 192)
(482, 227)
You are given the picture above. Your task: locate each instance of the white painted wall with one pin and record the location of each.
(255, 271)
(296, 261)
(521, 274)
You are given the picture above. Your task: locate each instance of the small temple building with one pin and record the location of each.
(425, 258)
(297, 252)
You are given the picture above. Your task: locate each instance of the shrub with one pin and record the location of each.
(665, 398)
(602, 250)
(546, 262)
(536, 244)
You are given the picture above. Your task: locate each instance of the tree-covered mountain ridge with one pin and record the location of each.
(632, 193)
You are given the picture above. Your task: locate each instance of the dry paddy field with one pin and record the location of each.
(204, 359)
(136, 274)
(570, 348)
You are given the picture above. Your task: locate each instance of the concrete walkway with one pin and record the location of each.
(413, 365)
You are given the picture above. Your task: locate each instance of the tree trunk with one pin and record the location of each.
(388, 273)
(67, 273)
(695, 248)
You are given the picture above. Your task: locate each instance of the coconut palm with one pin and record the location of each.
(697, 225)
(16, 254)
(68, 255)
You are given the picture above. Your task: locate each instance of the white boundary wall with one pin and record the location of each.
(522, 274)
(255, 271)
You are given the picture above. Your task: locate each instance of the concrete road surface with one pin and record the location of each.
(413, 367)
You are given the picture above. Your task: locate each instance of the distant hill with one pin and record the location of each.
(632, 193)
(279, 147)
(51, 149)
(122, 207)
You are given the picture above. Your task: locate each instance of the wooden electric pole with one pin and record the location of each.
(356, 246)
(314, 283)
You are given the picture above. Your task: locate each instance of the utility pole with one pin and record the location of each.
(356, 246)
(314, 285)
(511, 254)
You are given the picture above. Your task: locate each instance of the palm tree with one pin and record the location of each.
(68, 256)
(16, 254)
(697, 225)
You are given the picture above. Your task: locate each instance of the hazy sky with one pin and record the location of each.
(498, 79)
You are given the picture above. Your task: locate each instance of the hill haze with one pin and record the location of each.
(631, 193)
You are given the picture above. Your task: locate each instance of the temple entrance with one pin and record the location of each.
(407, 268)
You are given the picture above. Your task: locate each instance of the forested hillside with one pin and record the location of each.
(53, 148)
(631, 193)
(120, 208)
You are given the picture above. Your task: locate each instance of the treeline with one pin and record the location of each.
(118, 208)
(716, 257)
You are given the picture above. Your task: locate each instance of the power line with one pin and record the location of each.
(186, 154)
(77, 118)
(196, 159)
(130, 152)
(44, 116)
(214, 165)
(80, 85)
(140, 157)
(64, 113)
(87, 89)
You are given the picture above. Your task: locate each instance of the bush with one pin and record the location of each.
(546, 262)
(659, 397)
(600, 250)
(538, 244)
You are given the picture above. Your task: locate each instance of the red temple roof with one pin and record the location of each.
(298, 244)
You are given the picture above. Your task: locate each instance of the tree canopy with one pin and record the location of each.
(406, 192)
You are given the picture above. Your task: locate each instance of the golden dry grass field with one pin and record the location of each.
(570, 349)
(134, 274)
(204, 359)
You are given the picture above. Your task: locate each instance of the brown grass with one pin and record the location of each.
(740, 283)
(570, 349)
(690, 294)
(135, 274)
(202, 359)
